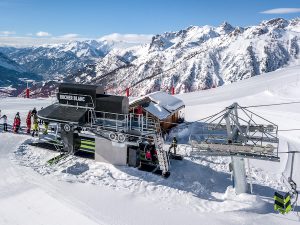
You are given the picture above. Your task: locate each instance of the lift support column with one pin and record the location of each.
(67, 136)
(239, 175)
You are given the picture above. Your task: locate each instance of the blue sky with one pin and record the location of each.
(93, 19)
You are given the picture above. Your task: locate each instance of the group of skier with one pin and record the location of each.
(32, 123)
(32, 114)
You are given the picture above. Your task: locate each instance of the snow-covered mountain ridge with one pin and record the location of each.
(13, 75)
(52, 61)
(197, 58)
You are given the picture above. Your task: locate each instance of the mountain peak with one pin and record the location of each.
(225, 28)
(276, 23)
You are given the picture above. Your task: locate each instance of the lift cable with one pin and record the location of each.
(274, 104)
(289, 152)
(289, 129)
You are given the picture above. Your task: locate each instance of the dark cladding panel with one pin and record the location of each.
(133, 157)
(112, 104)
(76, 99)
(78, 93)
(61, 113)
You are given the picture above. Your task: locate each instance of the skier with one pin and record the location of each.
(28, 122)
(4, 117)
(148, 155)
(46, 125)
(153, 154)
(17, 123)
(33, 111)
(173, 145)
(35, 124)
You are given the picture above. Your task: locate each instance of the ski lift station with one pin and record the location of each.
(123, 131)
(109, 128)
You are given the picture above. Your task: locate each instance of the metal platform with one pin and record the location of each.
(252, 152)
(236, 131)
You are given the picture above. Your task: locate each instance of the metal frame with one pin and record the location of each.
(235, 131)
(114, 121)
(126, 128)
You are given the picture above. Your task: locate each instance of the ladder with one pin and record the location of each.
(162, 155)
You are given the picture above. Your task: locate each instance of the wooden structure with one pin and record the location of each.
(159, 106)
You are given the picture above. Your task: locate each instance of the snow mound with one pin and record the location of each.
(199, 183)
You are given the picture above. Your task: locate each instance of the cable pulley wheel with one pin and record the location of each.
(113, 136)
(121, 137)
(67, 127)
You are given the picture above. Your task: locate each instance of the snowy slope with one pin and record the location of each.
(196, 192)
(276, 87)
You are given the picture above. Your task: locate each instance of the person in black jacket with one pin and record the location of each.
(173, 145)
(33, 112)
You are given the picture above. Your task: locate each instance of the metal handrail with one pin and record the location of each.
(125, 122)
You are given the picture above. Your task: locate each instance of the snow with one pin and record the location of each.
(167, 101)
(162, 104)
(81, 191)
(198, 58)
(157, 111)
(9, 64)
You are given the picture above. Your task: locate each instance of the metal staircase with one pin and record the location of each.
(162, 155)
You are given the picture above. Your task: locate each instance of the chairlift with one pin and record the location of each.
(284, 203)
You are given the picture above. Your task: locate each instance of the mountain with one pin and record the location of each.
(13, 76)
(58, 60)
(197, 58)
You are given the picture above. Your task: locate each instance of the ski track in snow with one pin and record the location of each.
(81, 191)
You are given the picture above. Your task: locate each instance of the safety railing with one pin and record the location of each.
(112, 121)
(121, 122)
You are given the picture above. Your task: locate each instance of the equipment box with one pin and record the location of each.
(133, 157)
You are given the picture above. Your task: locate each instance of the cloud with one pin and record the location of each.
(281, 11)
(130, 38)
(28, 41)
(7, 33)
(70, 36)
(42, 34)
(44, 38)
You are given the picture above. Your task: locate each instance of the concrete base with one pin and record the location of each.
(110, 152)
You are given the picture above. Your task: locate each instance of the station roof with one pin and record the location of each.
(62, 114)
(157, 111)
(167, 101)
(160, 104)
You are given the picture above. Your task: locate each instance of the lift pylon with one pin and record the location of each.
(239, 133)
